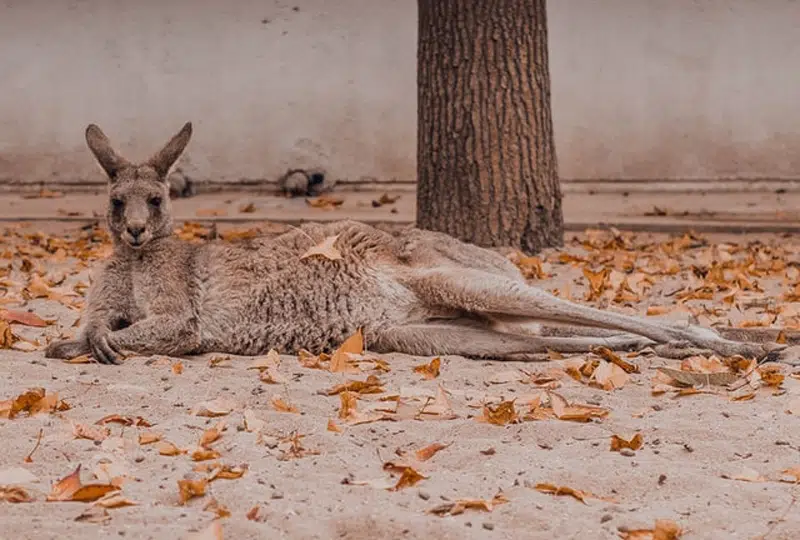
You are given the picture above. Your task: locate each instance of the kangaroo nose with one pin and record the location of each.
(135, 230)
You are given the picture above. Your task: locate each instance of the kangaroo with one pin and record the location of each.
(418, 292)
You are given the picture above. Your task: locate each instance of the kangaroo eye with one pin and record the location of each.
(155, 202)
(118, 204)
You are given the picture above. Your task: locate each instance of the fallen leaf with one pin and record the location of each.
(598, 282)
(552, 489)
(82, 431)
(215, 407)
(333, 427)
(618, 443)
(324, 249)
(149, 437)
(70, 488)
(211, 434)
(32, 401)
(690, 378)
(253, 513)
(114, 500)
(14, 494)
(372, 385)
(408, 478)
(26, 318)
(745, 474)
(325, 202)
(341, 361)
(218, 470)
(430, 370)
(658, 310)
(203, 454)
(771, 375)
(220, 510)
(793, 475)
(426, 453)
(166, 448)
(191, 488)
(664, 529)
(137, 421)
(574, 412)
(348, 411)
(248, 208)
(177, 368)
(280, 405)
(312, 361)
(460, 505)
(294, 448)
(500, 415)
(438, 407)
(609, 376)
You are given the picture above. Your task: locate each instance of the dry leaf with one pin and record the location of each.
(203, 454)
(690, 378)
(70, 488)
(430, 370)
(610, 376)
(575, 412)
(14, 494)
(137, 421)
(82, 431)
(658, 310)
(598, 282)
(248, 208)
(251, 422)
(745, 474)
(280, 405)
(166, 448)
(23, 317)
(220, 510)
(408, 478)
(333, 427)
(664, 529)
(211, 434)
(426, 453)
(349, 412)
(618, 443)
(609, 355)
(312, 361)
(177, 368)
(771, 375)
(553, 489)
(114, 500)
(460, 505)
(253, 513)
(271, 360)
(341, 361)
(190, 488)
(324, 249)
(372, 385)
(148, 437)
(215, 407)
(500, 415)
(325, 202)
(439, 407)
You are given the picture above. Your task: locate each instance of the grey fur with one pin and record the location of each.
(418, 292)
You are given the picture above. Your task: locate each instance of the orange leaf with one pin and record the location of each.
(282, 406)
(211, 434)
(426, 453)
(333, 427)
(22, 317)
(618, 443)
(408, 478)
(148, 437)
(553, 489)
(188, 489)
(500, 414)
(70, 488)
(430, 370)
(166, 448)
(340, 361)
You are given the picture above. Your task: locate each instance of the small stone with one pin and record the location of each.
(424, 495)
(627, 452)
(488, 525)
(276, 495)
(661, 479)
(606, 518)
(782, 443)
(656, 407)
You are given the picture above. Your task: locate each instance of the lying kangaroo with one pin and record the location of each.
(419, 292)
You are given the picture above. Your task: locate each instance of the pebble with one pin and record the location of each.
(276, 495)
(627, 452)
(424, 495)
(606, 518)
(488, 525)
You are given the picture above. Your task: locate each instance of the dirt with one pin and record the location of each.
(694, 446)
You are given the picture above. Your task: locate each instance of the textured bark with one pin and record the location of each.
(486, 160)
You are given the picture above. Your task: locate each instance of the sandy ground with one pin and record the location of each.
(710, 464)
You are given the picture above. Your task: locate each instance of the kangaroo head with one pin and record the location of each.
(139, 206)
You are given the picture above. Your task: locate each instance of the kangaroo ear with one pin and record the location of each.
(106, 156)
(167, 156)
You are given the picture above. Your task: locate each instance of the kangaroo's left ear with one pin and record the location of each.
(165, 158)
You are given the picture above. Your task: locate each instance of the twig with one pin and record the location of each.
(29, 457)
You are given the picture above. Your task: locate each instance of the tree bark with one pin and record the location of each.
(486, 162)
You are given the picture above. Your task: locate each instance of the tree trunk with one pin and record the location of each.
(486, 162)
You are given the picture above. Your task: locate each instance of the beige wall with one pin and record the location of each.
(641, 88)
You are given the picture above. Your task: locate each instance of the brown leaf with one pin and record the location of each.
(553, 489)
(191, 488)
(408, 478)
(220, 510)
(664, 529)
(324, 249)
(430, 370)
(14, 494)
(248, 208)
(325, 202)
(372, 385)
(253, 513)
(70, 488)
(271, 360)
(618, 443)
(7, 338)
(333, 427)
(500, 415)
(203, 454)
(781, 339)
(349, 412)
(460, 505)
(690, 378)
(82, 431)
(224, 471)
(211, 434)
(426, 453)
(341, 361)
(658, 310)
(311, 361)
(137, 421)
(215, 407)
(771, 375)
(166, 448)
(280, 405)
(23, 317)
(114, 500)
(439, 407)
(574, 412)
(611, 356)
(598, 282)
(251, 422)
(177, 367)
(148, 437)
(610, 376)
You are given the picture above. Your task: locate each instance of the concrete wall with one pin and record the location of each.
(641, 88)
